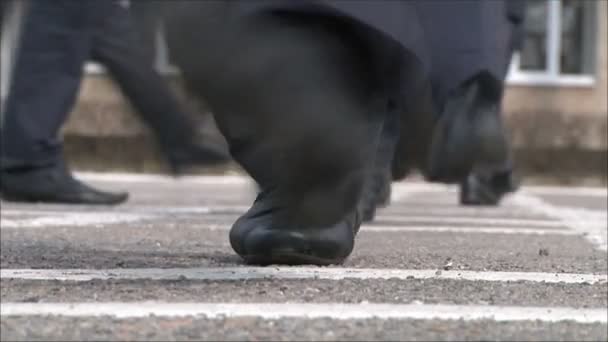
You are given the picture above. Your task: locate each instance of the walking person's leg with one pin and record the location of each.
(118, 44)
(54, 46)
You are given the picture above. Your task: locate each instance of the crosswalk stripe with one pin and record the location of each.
(405, 212)
(405, 219)
(303, 272)
(471, 230)
(436, 188)
(375, 228)
(410, 186)
(448, 212)
(159, 178)
(308, 311)
(99, 221)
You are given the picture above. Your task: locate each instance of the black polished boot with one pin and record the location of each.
(52, 184)
(260, 238)
(487, 187)
(469, 132)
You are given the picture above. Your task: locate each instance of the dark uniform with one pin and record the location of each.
(303, 91)
(300, 89)
(460, 136)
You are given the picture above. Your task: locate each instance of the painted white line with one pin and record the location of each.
(446, 215)
(406, 207)
(99, 221)
(154, 178)
(407, 186)
(419, 186)
(32, 218)
(511, 222)
(472, 230)
(590, 223)
(367, 228)
(139, 210)
(307, 311)
(401, 208)
(72, 219)
(304, 272)
(449, 213)
(533, 189)
(399, 193)
(567, 191)
(243, 179)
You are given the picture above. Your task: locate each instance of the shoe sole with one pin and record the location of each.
(28, 199)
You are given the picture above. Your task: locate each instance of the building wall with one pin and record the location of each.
(564, 115)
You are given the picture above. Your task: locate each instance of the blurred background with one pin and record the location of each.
(556, 104)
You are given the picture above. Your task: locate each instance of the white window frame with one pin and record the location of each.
(552, 76)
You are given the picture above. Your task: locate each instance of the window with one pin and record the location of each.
(559, 44)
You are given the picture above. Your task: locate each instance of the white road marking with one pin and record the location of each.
(303, 272)
(307, 311)
(590, 223)
(243, 179)
(32, 218)
(419, 186)
(439, 229)
(473, 230)
(156, 178)
(406, 209)
(100, 220)
(401, 209)
(400, 193)
(71, 219)
(511, 222)
(567, 191)
(145, 210)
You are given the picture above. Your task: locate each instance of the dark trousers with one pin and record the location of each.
(58, 37)
(464, 39)
(301, 100)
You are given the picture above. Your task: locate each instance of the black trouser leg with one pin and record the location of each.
(488, 183)
(118, 44)
(53, 47)
(55, 44)
(299, 118)
(377, 189)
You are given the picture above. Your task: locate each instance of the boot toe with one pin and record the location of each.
(259, 242)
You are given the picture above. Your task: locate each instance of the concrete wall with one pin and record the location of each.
(553, 116)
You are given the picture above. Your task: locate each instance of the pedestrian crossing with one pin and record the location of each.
(308, 311)
(426, 269)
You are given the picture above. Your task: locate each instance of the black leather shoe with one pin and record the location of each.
(52, 185)
(487, 189)
(259, 239)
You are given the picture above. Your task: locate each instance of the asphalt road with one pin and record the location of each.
(160, 268)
